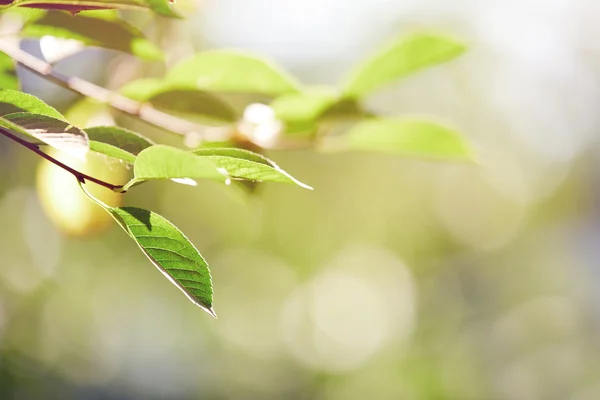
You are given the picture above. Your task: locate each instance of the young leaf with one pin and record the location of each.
(54, 132)
(411, 137)
(110, 34)
(244, 164)
(164, 162)
(8, 76)
(74, 6)
(168, 249)
(117, 142)
(12, 101)
(233, 72)
(403, 57)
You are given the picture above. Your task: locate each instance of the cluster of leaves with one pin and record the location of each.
(202, 88)
(166, 247)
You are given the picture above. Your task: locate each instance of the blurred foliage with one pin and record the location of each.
(395, 278)
(189, 88)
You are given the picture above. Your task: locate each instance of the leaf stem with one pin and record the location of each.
(81, 177)
(142, 111)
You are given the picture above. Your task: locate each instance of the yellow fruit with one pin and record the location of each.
(64, 202)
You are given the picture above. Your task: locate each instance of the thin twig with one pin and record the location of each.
(81, 177)
(142, 111)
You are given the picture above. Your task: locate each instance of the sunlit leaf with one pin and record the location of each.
(74, 6)
(406, 55)
(91, 31)
(410, 137)
(117, 142)
(12, 101)
(164, 162)
(244, 164)
(168, 250)
(220, 164)
(54, 132)
(233, 72)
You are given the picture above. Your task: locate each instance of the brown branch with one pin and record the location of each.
(142, 111)
(81, 177)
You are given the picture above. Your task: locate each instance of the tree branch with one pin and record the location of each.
(81, 177)
(142, 111)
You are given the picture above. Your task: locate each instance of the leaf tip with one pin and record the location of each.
(297, 182)
(305, 186)
(211, 311)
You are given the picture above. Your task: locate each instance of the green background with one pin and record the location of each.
(396, 278)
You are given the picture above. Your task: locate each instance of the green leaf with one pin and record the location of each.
(244, 164)
(8, 75)
(346, 109)
(220, 164)
(110, 34)
(171, 252)
(194, 103)
(308, 105)
(54, 132)
(164, 162)
(168, 249)
(405, 56)
(232, 72)
(300, 111)
(12, 101)
(117, 142)
(180, 100)
(74, 6)
(143, 89)
(409, 137)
